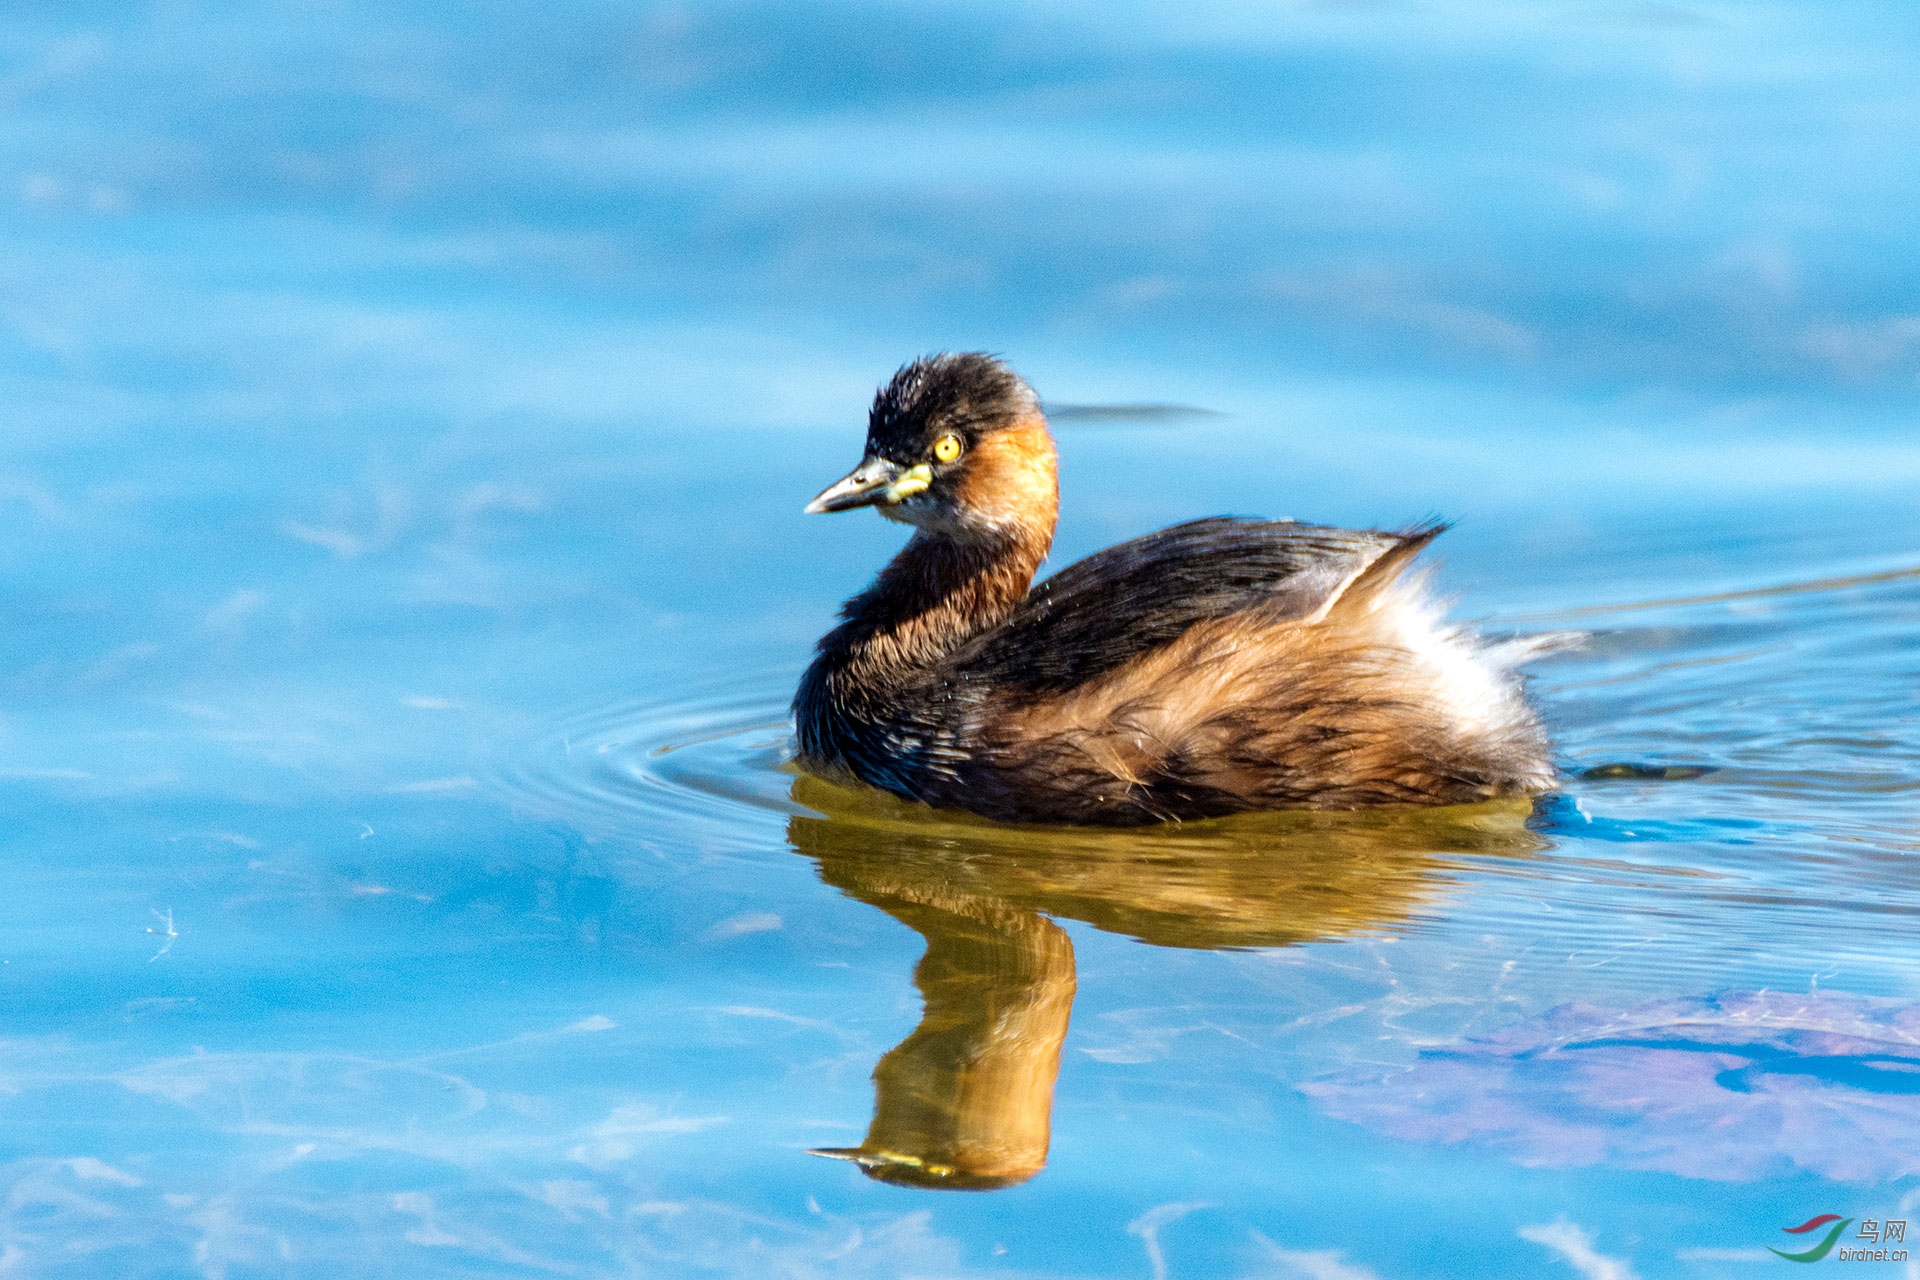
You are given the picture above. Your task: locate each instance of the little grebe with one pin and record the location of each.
(1215, 667)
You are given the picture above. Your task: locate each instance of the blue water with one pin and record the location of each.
(407, 416)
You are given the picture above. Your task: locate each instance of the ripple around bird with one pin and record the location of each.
(1694, 791)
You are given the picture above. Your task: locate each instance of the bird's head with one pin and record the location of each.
(957, 446)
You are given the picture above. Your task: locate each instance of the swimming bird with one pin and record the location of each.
(1215, 667)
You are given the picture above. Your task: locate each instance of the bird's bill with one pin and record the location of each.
(875, 482)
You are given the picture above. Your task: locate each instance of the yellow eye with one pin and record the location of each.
(946, 448)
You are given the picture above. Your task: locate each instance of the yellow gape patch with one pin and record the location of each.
(912, 481)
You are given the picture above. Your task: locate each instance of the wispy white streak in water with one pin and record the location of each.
(1313, 1264)
(1574, 1244)
(1147, 1226)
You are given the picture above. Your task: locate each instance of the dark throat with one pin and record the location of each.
(934, 596)
(884, 661)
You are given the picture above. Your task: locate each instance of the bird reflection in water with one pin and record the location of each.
(966, 1101)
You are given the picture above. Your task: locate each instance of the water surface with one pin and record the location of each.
(408, 416)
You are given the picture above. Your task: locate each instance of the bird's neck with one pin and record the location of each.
(934, 596)
(950, 583)
(881, 667)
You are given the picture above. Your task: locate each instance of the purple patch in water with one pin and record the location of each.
(1733, 1087)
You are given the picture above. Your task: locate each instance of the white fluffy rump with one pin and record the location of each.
(1464, 679)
